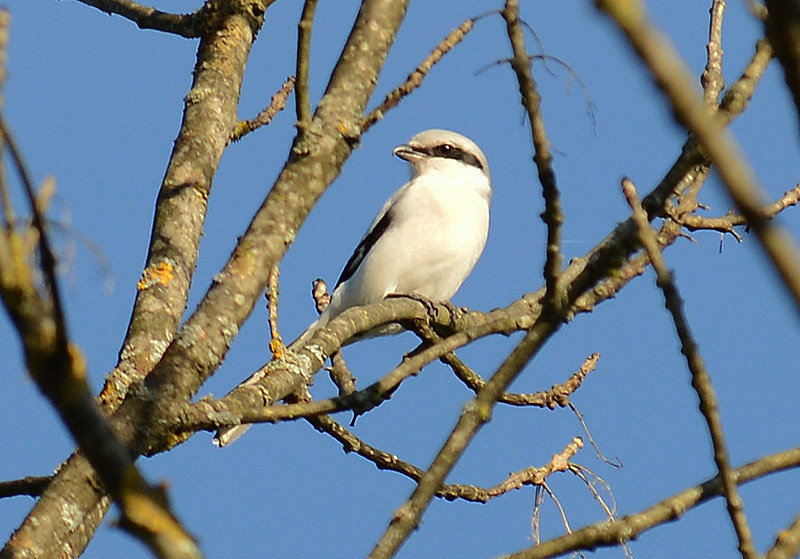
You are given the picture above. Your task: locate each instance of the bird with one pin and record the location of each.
(425, 240)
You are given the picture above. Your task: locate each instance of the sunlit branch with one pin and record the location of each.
(712, 78)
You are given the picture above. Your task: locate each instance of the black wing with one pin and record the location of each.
(365, 246)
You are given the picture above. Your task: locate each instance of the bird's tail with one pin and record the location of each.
(229, 435)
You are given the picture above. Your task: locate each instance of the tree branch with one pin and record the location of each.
(448, 491)
(675, 82)
(782, 27)
(701, 380)
(787, 542)
(712, 78)
(30, 485)
(145, 17)
(209, 116)
(414, 79)
(59, 370)
(553, 215)
(304, 28)
(630, 527)
(276, 105)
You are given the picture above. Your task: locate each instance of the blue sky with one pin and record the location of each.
(96, 102)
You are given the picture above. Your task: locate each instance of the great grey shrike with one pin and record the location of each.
(425, 240)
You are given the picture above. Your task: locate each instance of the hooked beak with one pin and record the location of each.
(406, 152)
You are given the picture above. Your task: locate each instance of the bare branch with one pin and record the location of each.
(304, 28)
(209, 116)
(146, 17)
(450, 492)
(276, 105)
(59, 370)
(787, 542)
(712, 79)
(701, 380)
(675, 82)
(631, 526)
(414, 79)
(553, 215)
(782, 27)
(30, 485)
(273, 293)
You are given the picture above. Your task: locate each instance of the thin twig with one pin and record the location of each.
(536, 517)
(557, 396)
(560, 508)
(185, 25)
(590, 479)
(553, 215)
(414, 79)
(631, 526)
(48, 259)
(613, 463)
(276, 105)
(701, 380)
(591, 110)
(276, 346)
(448, 491)
(30, 485)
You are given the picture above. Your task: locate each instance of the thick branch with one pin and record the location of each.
(209, 116)
(59, 370)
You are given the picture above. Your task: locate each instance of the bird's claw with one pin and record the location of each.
(432, 307)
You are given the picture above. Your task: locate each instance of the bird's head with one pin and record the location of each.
(442, 151)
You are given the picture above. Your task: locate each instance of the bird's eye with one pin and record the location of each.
(444, 150)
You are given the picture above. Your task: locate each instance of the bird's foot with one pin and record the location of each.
(432, 307)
